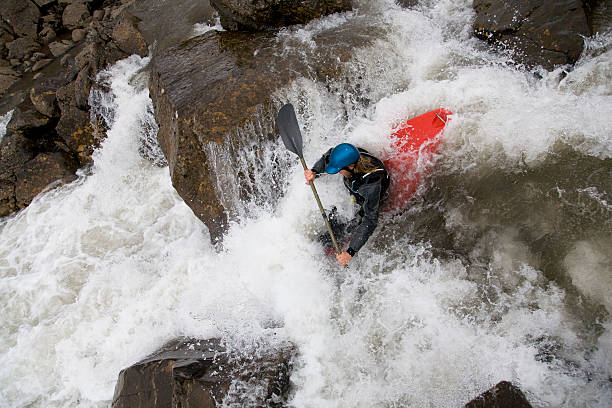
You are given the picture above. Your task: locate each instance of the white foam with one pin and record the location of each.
(99, 273)
(4, 120)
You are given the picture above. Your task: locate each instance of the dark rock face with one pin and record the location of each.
(200, 109)
(202, 373)
(22, 17)
(546, 33)
(503, 395)
(263, 14)
(51, 134)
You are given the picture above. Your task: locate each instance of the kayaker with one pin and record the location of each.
(366, 179)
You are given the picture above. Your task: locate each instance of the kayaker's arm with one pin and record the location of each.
(319, 166)
(371, 193)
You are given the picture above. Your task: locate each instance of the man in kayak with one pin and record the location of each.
(366, 179)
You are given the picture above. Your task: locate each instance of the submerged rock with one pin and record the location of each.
(546, 33)
(203, 373)
(503, 395)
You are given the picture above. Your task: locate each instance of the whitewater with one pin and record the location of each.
(501, 268)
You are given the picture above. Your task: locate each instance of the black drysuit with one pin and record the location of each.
(368, 190)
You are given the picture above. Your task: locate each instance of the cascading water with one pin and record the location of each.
(499, 270)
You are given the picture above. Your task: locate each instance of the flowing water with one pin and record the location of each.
(500, 269)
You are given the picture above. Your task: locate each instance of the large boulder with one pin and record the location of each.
(204, 91)
(21, 16)
(127, 37)
(75, 15)
(545, 33)
(262, 14)
(204, 374)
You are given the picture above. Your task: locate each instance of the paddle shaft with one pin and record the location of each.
(327, 224)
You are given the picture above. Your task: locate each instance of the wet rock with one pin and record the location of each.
(407, 3)
(203, 373)
(75, 15)
(98, 15)
(58, 48)
(41, 64)
(78, 34)
(199, 110)
(41, 3)
(76, 93)
(263, 14)
(22, 47)
(503, 395)
(26, 119)
(46, 170)
(15, 150)
(22, 16)
(43, 98)
(127, 37)
(77, 132)
(545, 33)
(8, 77)
(47, 35)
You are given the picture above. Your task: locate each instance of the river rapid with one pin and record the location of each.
(500, 269)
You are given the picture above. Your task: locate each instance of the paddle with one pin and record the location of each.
(292, 138)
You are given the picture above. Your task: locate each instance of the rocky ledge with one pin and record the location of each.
(205, 374)
(536, 33)
(51, 52)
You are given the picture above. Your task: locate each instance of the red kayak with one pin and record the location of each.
(414, 141)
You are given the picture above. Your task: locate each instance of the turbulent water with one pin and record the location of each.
(501, 269)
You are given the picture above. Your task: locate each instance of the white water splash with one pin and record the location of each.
(4, 121)
(99, 273)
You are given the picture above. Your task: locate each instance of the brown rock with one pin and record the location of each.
(39, 174)
(41, 64)
(22, 47)
(546, 33)
(503, 395)
(15, 150)
(199, 109)
(8, 77)
(75, 15)
(8, 205)
(202, 373)
(26, 119)
(43, 98)
(58, 48)
(47, 35)
(78, 34)
(76, 93)
(127, 37)
(21, 15)
(98, 15)
(76, 130)
(41, 3)
(263, 14)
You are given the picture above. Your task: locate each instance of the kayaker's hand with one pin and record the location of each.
(309, 175)
(343, 258)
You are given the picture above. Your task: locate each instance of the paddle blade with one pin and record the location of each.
(290, 129)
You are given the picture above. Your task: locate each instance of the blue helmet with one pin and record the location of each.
(342, 155)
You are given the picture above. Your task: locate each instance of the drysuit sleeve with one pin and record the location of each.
(319, 166)
(371, 193)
